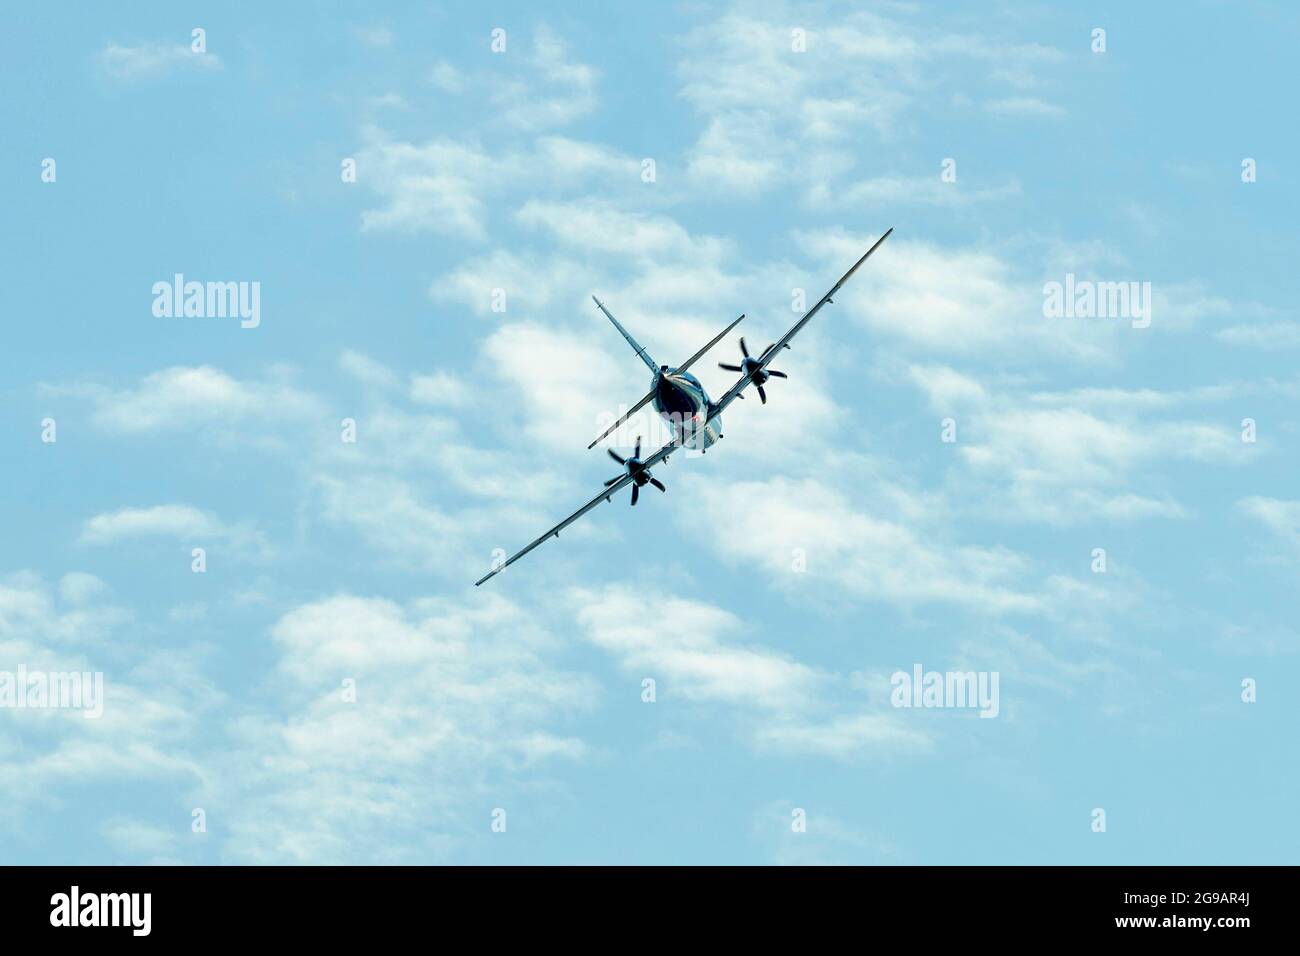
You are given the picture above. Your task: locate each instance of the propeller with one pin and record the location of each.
(639, 472)
(753, 368)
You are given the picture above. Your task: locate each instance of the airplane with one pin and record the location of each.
(681, 400)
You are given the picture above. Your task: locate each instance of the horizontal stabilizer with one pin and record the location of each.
(637, 347)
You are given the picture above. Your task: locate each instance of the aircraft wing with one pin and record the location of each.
(660, 456)
(784, 341)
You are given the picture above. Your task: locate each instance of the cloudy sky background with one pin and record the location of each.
(774, 170)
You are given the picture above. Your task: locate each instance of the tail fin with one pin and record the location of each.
(645, 356)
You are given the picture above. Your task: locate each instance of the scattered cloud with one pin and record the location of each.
(193, 396)
(841, 543)
(1068, 458)
(180, 522)
(447, 78)
(558, 90)
(149, 60)
(1280, 516)
(366, 370)
(696, 652)
(1269, 335)
(438, 388)
(778, 112)
(451, 702)
(921, 190)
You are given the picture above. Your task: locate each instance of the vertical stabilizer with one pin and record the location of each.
(645, 356)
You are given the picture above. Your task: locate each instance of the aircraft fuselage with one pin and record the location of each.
(682, 402)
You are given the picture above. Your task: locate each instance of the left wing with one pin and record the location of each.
(784, 341)
(660, 456)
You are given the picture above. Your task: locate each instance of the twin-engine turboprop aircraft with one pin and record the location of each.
(678, 396)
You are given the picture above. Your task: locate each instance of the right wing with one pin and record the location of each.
(659, 456)
(784, 341)
(651, 394)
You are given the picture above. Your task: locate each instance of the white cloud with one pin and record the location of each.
(447, 78)
(731, 154)
(436, 186)
(558, 90)
(77, 587)
(142, 733)
(935, 298)
(590, 225)
(439, 388)
(1065, 457)
(871, 557)
(527, 283)
(1270, 335)
(1280, 516)
(981, 299)
(698, 652)
(777, 118)
(190, 396)
(181, 522)
(922, 190)
(31, 618)
(844, 736)
(145, 60)
(557, 408)
(451, 702)
(691, 650)
(397, 520)
(367, 370)
(442, 185)
(583, 164)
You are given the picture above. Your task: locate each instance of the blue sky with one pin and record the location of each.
(521, 170)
